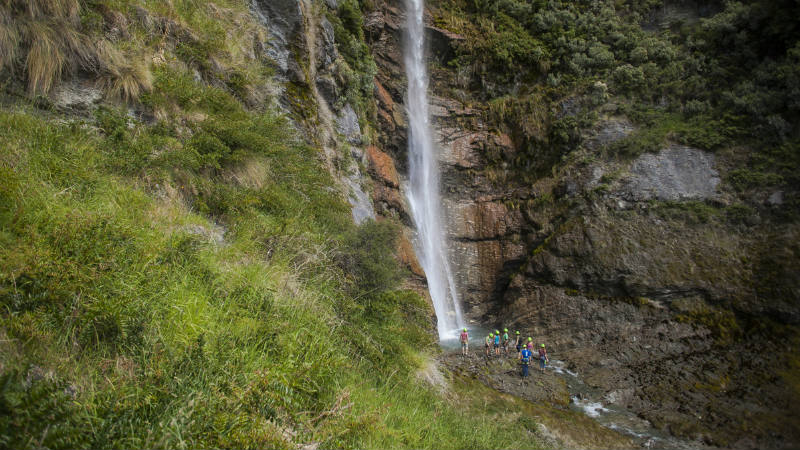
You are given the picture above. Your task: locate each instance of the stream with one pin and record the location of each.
(589, 401)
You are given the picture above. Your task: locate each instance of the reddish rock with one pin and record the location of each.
(482, 220)
(503, 140)
(495, 220)
(407, 255)
(388, 199)
(381, 167)
(384, 98)
(386, 120)
(447, 34)
(462, 151)
(385, 108)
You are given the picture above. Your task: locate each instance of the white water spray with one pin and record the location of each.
(423, 195)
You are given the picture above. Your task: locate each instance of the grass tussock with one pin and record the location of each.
(43, 41)
(126, 82)
(40, 38)
(9, 40)
(37, 9)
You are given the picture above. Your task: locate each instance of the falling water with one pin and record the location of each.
(423, 194)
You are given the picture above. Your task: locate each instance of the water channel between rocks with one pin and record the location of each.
(583, 398)
(590, 402)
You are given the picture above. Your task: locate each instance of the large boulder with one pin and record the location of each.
(673, 174)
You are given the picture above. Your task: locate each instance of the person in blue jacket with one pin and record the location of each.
(525, 360)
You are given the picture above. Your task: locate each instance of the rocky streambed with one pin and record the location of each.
(560, 388)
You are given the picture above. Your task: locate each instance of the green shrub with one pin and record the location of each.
(646, 140)
(692, 212)
(741, 214)
(359, 68)
(744, 179)
(628, 79)
(367, 255)
(37, 412)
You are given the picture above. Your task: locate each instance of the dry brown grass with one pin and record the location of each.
(127, 82)
(529, 113)
(37, 9)
(53, 48)
(46, 59)
(40, 38)
(9, 40)
(122, 79)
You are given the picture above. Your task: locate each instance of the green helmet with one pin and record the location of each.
(496, 332)
(491, 334)
(517, 332)
(542, 345)
(530, 339)
(465, 329)
(505, 330)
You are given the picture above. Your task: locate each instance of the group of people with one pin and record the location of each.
(495, 342)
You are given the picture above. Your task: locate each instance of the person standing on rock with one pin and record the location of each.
(488, 340)
(497, 342)
(543, 359)
(525, 360)
(518, 342)
(464, 342)
(505, 341)
(530, 344)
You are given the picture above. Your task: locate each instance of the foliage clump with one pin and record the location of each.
(722, 75)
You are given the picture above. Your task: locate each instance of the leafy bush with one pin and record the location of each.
(36, 412)
(741, 214)
(359, 69)
(368, 257)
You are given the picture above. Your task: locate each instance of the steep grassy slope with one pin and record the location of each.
(177, 268)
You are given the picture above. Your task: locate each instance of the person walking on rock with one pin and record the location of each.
(518, 342)
(488, 340)
(530, 344)
(525, 360)
(505, 341)
(464, 342)
(543, 359)
(497, 343)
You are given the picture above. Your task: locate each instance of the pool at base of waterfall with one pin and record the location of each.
(451, 339)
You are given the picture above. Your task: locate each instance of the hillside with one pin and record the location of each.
(178, 267)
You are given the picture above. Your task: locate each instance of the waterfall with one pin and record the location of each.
(423, 192)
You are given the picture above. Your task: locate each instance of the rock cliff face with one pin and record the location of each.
(485, 232)
(640, 271)
(303, 48)
(631, 268)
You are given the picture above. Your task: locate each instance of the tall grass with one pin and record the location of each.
(127, 322)
(41, 37)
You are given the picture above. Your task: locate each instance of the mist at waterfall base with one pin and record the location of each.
(423, 193)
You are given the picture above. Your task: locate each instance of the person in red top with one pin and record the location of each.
(543, 359)
(464, 342)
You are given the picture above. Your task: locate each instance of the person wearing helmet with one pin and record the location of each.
(518, 342)
(464, 342)
(505, 341)
(530, 344)
(543, 359)
(488, 341)
(496, 343)
(525, 360)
